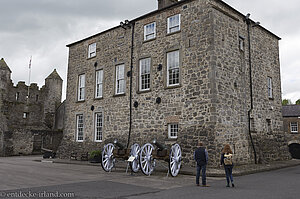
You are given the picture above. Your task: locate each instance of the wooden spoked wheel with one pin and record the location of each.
(146, 159)
(175, 160)
(135, 150)
(108, 160)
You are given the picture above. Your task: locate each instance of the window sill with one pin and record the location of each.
(98, 141)
(79, 141)
(271, 98)
(171, 139)
(98, 98)
(81, 101)
(144, 91)
(119, 95)
(148, 40)
(294, 132)
(173, 86)
(172, 33)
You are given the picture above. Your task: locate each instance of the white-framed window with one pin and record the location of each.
(270, 88)
(120, 79)
(294, 127)
(98, 127)
(99, 84)
(173, 23)
(173, 69)
(81, 87)
(144, 76)
(150, 31)
(92, 50)
(172, 130)
(79, 128)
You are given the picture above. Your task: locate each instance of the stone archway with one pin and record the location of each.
(294, 148)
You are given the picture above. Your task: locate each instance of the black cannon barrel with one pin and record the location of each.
(159, 145)
(118, 144)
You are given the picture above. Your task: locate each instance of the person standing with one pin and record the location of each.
(226, 160)
(201, 158)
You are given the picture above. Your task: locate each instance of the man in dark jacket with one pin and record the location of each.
(201, 157)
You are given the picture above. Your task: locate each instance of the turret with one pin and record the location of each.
(5, 73)
(52, 96)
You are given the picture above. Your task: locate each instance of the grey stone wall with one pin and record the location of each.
(27, 142)
(114, 107)
(292, 138)
(211, 103)
(15, 130)
(60, 117)
(233, 87)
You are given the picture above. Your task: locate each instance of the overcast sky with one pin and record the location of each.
(43, 28)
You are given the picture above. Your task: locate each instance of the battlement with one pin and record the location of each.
(22, 85)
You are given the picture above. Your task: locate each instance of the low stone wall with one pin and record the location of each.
(271, 147)
(27, 142)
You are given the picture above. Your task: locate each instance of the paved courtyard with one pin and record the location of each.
(24, 177)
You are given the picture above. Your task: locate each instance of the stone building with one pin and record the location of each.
(291, 122)
(26, 121)
(191, 70)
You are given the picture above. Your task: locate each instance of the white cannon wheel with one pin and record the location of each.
(135, 150)
(146, 160)
(108, 160)
(175, 160)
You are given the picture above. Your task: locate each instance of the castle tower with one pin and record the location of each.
(52, 97)
(5, 80)
(5, 73)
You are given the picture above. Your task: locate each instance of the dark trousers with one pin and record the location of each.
(228, 172)
(199, 168)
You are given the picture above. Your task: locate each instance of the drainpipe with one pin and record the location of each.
(248, 21)
(130, 93)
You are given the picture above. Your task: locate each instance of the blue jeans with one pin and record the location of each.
(203, 168)
(228, 172)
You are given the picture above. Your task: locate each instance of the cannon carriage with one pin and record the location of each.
(149, 153)
(116, 150)
(142, 157)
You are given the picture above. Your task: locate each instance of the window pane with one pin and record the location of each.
(81, 87)
(270, 87)
(294, 127)
(173, 130)
(92, 50)
(98, 126)
(79, 135)
(145, 74)
(120, 82)
(173, 68)
(149, 31)
(174, 23)
(99, 79)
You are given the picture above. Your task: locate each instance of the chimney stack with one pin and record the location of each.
(165, 3)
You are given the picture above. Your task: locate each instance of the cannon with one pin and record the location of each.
(149, 153)
(115, 150)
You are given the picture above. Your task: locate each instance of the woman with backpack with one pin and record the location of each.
(226, 160)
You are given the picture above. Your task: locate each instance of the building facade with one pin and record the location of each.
(25, 121)
(191, 70)
(291, 122)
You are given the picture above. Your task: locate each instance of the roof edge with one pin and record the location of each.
(165, 8)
